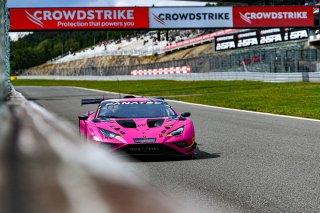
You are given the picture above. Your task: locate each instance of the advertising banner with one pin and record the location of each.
(259, 37)
(273, 16)
(199, 39)
(190, 17)
(30, 19)
(24, 19)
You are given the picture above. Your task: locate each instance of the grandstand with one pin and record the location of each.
(139, 46)
(144, 45)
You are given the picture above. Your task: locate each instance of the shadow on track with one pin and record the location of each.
(202, 155)
(45, 99)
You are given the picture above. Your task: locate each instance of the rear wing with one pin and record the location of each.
(91, 101)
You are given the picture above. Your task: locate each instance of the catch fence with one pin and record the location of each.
(288, 58)
(4, 51)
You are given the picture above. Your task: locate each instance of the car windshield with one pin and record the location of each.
(135, 110)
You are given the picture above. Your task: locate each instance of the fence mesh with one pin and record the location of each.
(4, 51)
(287, 58)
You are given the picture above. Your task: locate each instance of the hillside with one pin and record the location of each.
(124, 60)
(39, 47)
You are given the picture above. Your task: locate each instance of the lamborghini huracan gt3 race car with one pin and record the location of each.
(139, 126)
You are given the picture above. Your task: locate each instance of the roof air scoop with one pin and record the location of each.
(127, 123)
(155, 123)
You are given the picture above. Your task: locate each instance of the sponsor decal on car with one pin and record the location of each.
(134, 102)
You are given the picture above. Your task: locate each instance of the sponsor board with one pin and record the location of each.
(190, 17)
(273, 16)
(199, 39)
(30, 19)
(259, 37)
(22, 19)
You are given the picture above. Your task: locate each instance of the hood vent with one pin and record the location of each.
(155, 123)
(127, 123)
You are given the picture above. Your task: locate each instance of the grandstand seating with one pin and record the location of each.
(136, 46)
(144, 45)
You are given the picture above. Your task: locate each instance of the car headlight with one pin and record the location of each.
(178, 131)
(109, 134)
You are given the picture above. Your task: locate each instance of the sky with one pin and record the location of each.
(98, 3)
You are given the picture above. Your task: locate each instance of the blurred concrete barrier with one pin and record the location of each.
(46, 168)
(4, 51)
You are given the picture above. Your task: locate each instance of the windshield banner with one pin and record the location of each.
(22, 19)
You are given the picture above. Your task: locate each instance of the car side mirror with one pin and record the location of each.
(83, 117)
(186, 114)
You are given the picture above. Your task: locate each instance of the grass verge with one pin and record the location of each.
(300, 99)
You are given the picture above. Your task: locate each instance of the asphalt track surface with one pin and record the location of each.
(248, 162)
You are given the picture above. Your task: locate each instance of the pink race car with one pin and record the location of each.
(139, 126)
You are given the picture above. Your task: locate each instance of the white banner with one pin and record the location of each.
(190, 17)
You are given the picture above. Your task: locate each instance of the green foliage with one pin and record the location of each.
(39, 47)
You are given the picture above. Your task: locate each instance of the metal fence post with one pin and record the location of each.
(296, 61)
(271, 63)
(282, 63)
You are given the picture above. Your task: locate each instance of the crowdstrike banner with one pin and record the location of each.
(30, 19)
(272, 16)
(190, 17)
(78, 18)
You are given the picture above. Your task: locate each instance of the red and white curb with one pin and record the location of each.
(163, 71)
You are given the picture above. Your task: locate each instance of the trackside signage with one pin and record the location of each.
(190, 17)
(30, 19)
(273, 16)
(259, 37)
(78, 18)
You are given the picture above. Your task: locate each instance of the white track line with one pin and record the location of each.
(247, 111)
(214, 107)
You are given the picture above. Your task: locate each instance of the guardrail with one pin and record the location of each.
(223, 76)
(45, 167)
